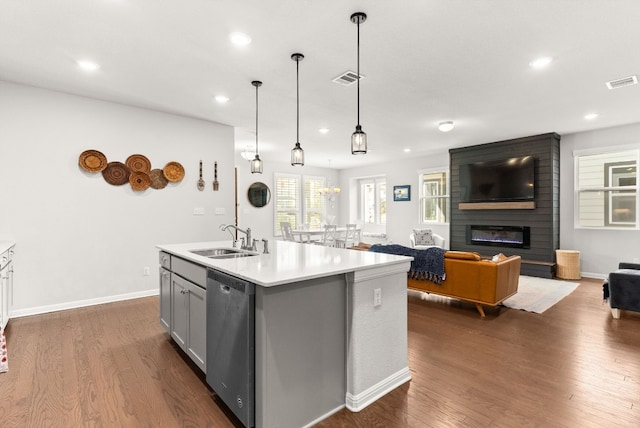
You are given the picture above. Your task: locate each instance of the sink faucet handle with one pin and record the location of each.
(242, 243)
(266, 246)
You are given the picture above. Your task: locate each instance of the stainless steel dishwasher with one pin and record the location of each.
(231, 343)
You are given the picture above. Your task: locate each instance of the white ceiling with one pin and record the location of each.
(424, 61)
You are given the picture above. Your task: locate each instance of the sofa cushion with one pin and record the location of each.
(423, 237)
(462, 255)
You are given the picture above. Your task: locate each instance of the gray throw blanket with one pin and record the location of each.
(427, 264)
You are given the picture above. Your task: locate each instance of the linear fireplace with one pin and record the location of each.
(499, 236)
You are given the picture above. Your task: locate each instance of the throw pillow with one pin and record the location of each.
(423, 237)
(499, 257)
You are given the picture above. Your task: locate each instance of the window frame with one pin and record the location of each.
(607, 188)
(422, 197)
(300, 210)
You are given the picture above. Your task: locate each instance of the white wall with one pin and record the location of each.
(260, 220)
(402, 217)
(79, 239)
(600, 250)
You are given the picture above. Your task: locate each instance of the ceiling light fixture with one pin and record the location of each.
(323, 130)
(591, 116)
(239, 39)
(358, 138)
(88, 65)
(541, 62)
(446, 126)
(256, 163)
(221, 99)
(297, 154)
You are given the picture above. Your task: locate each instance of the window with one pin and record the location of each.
(607, 190)
(373, 200)
(298, 201)
(434, 196)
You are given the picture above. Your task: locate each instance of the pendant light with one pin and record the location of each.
(297, 154)
(358, 138)
(256, 163)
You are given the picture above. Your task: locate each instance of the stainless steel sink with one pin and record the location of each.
(222, 253)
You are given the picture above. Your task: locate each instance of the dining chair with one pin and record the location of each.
(329, 236)
(349, 237)
(287, 234)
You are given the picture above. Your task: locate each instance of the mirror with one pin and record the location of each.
(259, 194)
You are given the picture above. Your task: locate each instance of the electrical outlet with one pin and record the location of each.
(377, 297)
(198, 211)
(145, 271)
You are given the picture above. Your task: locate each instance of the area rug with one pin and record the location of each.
(539, 294)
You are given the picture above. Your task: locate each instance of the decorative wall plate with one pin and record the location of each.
(173, 172)
(92, 161)
(116, 173)
(138, 163)
(158, 180)
(139, 180)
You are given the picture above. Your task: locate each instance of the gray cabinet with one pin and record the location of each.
(165, 299)
(183, 306)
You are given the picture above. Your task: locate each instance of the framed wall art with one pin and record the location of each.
(402, 193)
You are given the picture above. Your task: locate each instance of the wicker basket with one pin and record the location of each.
(568, 264)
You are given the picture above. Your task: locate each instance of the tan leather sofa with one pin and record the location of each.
(483, 282)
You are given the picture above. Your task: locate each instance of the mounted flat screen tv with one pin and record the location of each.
(505, 180)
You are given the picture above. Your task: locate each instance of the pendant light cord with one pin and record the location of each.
(257, 152)
(358, 71)
(297, 100)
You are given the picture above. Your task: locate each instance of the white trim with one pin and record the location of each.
(83, 303)
(356, 403)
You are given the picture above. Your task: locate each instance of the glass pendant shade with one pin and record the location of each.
(297, 155)
(256, 165)
(359, 142)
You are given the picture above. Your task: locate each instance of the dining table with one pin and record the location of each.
(315, 234)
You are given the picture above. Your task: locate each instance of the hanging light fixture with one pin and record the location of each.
(358, 138)
(256, 163)
(297, 154)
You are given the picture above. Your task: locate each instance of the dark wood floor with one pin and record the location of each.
(113, 365)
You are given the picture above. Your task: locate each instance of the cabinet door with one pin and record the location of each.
(197, 334)
(165, 299)
(179, 310)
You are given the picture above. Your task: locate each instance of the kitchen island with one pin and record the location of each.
(322, 342)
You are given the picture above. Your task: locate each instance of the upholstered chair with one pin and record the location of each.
(421, 239)
(624, 289)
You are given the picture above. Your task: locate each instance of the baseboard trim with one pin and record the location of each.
(82, 303)
(356, 403)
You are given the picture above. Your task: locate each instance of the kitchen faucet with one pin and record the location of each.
(246, 245)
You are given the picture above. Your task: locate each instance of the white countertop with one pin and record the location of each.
(5, 245)
(286, 262)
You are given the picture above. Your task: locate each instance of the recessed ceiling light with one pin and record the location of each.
(407, 150)
(446, 126)
(541, 62)
(88, 65)
(323, 130)
(221, 99)
(239, 39)
(591, 116)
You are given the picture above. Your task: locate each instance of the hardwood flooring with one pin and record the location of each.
(114, 366)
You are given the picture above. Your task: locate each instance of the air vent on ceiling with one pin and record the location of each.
(625, 81)
(347, 78)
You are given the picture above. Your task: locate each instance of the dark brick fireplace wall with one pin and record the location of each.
(539, 259)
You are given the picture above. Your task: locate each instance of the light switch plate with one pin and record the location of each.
(198, 211)
(220, 211)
